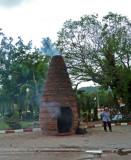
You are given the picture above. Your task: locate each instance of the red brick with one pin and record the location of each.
(58, 89)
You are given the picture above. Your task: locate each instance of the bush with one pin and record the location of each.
(13, 121)
(3, 125)
(26, 124)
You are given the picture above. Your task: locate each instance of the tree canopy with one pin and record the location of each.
(98, 50)
(22, 74)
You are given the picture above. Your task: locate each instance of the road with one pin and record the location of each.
(32, 146)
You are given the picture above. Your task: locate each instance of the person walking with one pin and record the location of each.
(105, 115)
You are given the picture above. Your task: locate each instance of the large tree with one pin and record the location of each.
(98, 50)
(22, 73)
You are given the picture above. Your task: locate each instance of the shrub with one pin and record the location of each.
(13, 121)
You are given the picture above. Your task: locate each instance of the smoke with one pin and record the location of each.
(49, 48)
(53, 108)
(11, 3)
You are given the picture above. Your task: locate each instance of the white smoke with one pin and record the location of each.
(53, 108)
(12, 3)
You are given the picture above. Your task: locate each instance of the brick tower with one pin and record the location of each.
(58, 110)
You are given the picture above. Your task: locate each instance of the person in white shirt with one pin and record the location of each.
(105, 115)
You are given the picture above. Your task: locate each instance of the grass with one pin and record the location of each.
(3, 125)
(24, 124)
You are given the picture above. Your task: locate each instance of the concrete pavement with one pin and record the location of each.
(74, 145)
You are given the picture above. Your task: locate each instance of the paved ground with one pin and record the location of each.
(32, 146)
(61, 156)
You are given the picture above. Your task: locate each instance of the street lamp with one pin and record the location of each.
(27, 98)
(27, 90)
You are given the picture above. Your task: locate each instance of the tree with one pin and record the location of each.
(86, 103)
(98, 50)
(22, 67)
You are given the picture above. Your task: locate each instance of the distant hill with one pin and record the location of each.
(90, 89)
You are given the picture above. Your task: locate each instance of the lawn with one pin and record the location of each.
(24, 124)
(3, 125)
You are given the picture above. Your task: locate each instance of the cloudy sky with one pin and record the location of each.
(34, 19)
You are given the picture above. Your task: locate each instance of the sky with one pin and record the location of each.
(35, 19)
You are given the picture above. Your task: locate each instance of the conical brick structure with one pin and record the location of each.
(58, 110)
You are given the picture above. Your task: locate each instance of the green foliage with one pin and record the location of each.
(22, 74)
(99, 51)
(85, 103)
(3, 125)
(90, 98)
(23, 124)
(26, 124)
(13, 121)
